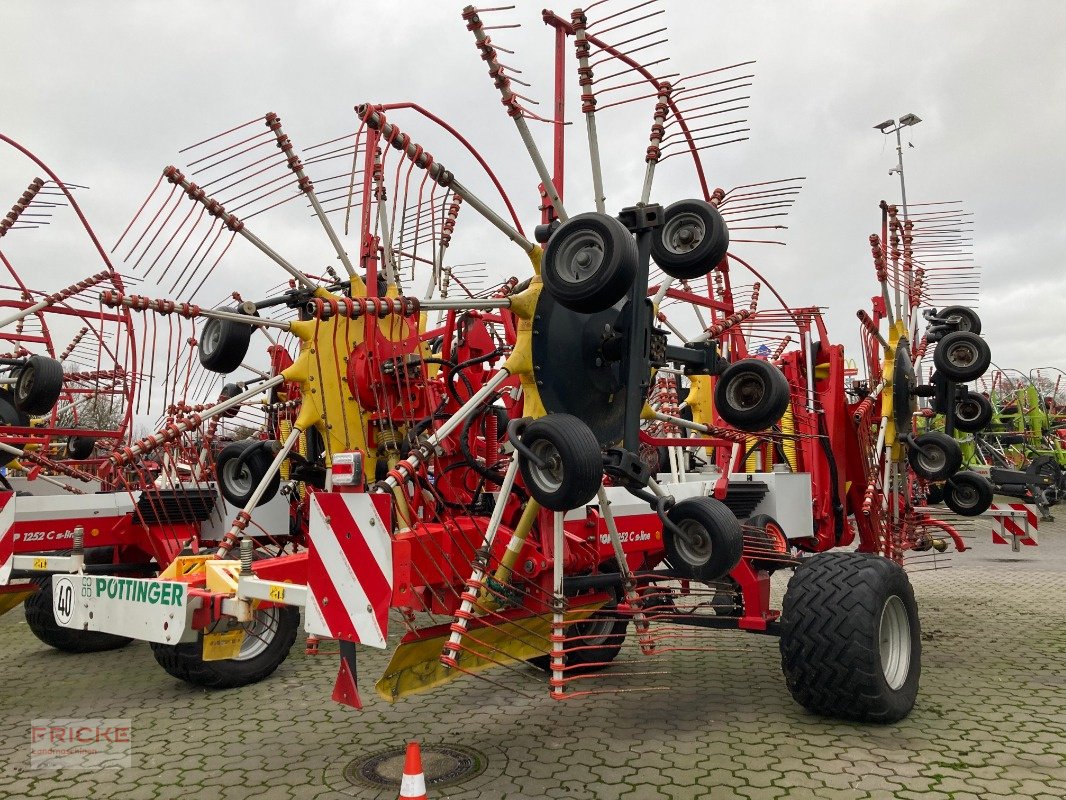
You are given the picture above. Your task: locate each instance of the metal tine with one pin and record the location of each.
(344, 188)
(709, 145)
(516, 111)
(347, 151)
(272, 162)
(758, 206)
(773, 184)
(283, 177)
(152, 222)
(630, 40)
(629, 69)
(220, 135)
(629, 22)
(728, 124)
(689, 117)
(227, 148)
(611, 56)
(264, 143)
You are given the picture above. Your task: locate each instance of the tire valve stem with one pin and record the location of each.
(246, 556)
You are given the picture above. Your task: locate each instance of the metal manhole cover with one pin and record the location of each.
(444, 765)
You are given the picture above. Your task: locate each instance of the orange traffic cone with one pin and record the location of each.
(413, 785)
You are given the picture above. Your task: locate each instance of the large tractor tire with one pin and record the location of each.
(270, 637)
(851, 644)
(41, 620)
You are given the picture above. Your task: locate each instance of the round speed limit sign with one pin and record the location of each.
(63, 600)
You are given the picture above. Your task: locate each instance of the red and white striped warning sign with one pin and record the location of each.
(349, 568)
(7, 538)
(1013, 519)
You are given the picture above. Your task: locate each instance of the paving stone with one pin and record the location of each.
(988, 722)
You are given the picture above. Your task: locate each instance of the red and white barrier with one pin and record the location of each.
(349, 568)
(7, 538)
(1013, 523)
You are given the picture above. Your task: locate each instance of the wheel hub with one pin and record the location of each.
(694, 544)
(581, 257)
(747, 392)
(894, 640)
(683, 233)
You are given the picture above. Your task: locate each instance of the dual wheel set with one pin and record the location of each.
(850, 636)
(38, 384)
(961, 356)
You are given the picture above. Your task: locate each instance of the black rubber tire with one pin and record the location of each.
(80, 448)
(574, 469)
(766, 541)
(751, 395)
(40, 618)
(223, 344)
(237, 487)
(962, 356)
(9, 415)
(229, 391)
(967, 317)
(968, 494)
(712, 543)
(934, 495)
(611, 252)
(185, 661)
(934, 456)
(606, 630)
(831, 637)
(692, 240)
(39, 384)
(1045, 467)
(973, 413)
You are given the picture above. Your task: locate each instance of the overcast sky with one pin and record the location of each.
(107, 92)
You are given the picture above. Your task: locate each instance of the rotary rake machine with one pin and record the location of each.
(62, 406)
(512, 477)
(58, 402)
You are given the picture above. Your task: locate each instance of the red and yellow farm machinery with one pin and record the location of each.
(598, 461)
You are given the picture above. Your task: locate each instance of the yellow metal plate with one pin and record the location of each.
(12, 600)
(185, 565)
(220, 646)
(415, 667)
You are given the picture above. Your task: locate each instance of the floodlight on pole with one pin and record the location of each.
(894, 126)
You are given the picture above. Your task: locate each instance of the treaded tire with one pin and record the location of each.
(590, 263)
(185, 661)
(831, 644)
(934, 494)
(80, 448)
(692, 240)
(606, 632)
(237, 485)
(40, 618)
(38, 385)
(962, 356)
(751, 394)
(966, 317)
(968, 494)
(223, 344)
(766, 543)
(934, 456)
(973, 413)
(574, 462)
(712, 543)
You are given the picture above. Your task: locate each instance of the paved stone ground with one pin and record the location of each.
(990, 719)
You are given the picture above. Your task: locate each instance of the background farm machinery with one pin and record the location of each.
(513, 476)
